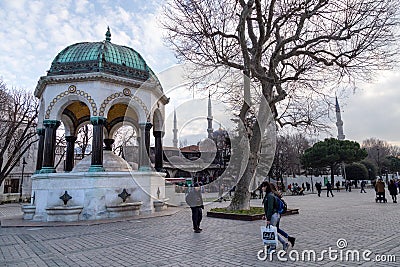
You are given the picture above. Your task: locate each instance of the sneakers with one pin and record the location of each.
(291, 240)
(197, 231)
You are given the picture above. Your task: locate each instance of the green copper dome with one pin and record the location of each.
(101, 57)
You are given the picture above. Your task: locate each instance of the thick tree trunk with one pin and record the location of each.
(333, 176)
(241, 198)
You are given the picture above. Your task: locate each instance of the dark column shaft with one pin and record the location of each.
(70, 155)
(158, 150)
(147, 137)
(97, 141)
(39, 160)
(49, 143)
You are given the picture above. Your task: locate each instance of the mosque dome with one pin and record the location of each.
(105, 57)
(207, 145)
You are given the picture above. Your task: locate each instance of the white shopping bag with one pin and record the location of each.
(269, 235)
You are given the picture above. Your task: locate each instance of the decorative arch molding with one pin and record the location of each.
(119, 124)
(69, 126)
(80, 94)
(125, 94)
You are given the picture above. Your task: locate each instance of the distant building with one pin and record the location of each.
(10, 189)
(203, 162)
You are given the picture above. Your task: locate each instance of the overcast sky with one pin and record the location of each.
(34, 32)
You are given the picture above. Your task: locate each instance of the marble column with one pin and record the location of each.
(144, 147)
(70, 155)
(49, 145)
(108, 144)
(39, 160)
(97, 144)
(158, 150)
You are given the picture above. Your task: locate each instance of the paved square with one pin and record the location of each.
(170, 241)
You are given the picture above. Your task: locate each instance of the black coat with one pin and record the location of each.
(392, 189)
(328, 186)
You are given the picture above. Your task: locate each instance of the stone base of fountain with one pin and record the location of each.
(29, 211)
(160, 204)
(63, 213)
(124, 209)
(95, 192)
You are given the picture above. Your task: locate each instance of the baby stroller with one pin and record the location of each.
(380, 197)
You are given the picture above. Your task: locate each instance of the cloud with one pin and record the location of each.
(36, 31)
(374, 111)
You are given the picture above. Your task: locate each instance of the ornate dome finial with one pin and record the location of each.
(108, 34)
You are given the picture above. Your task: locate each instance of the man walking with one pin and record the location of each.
(318, 186)
(329, 189)
(363, 187)
(195, 202)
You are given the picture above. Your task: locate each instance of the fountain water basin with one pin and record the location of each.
(63, 213)
(29, 211)
(124, 209)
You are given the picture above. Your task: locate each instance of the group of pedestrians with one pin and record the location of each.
(329, 187)
(380, 190)
(318, 186)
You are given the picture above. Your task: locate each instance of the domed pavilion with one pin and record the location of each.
(106, 85)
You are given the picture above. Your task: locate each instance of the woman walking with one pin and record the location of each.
(280, 231)
(271, 212)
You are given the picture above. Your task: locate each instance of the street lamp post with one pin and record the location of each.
(22, 179)
(379, 164)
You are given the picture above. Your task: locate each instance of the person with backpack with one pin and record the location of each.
(282, 208)
(271, 211)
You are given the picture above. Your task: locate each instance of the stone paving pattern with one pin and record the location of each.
(170, 241)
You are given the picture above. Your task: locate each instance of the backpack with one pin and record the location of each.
(281, 205)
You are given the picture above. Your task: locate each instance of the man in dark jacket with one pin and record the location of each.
(329, 189)
(195, 202)
(318, 185)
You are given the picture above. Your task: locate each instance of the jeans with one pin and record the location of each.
(283, 233)
(275, 222)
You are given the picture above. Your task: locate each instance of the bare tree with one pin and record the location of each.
(289, 149)
(84, 136)
(378, 152)
(19, 111)
(124, 137)
(61, 148)
(292, 50)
